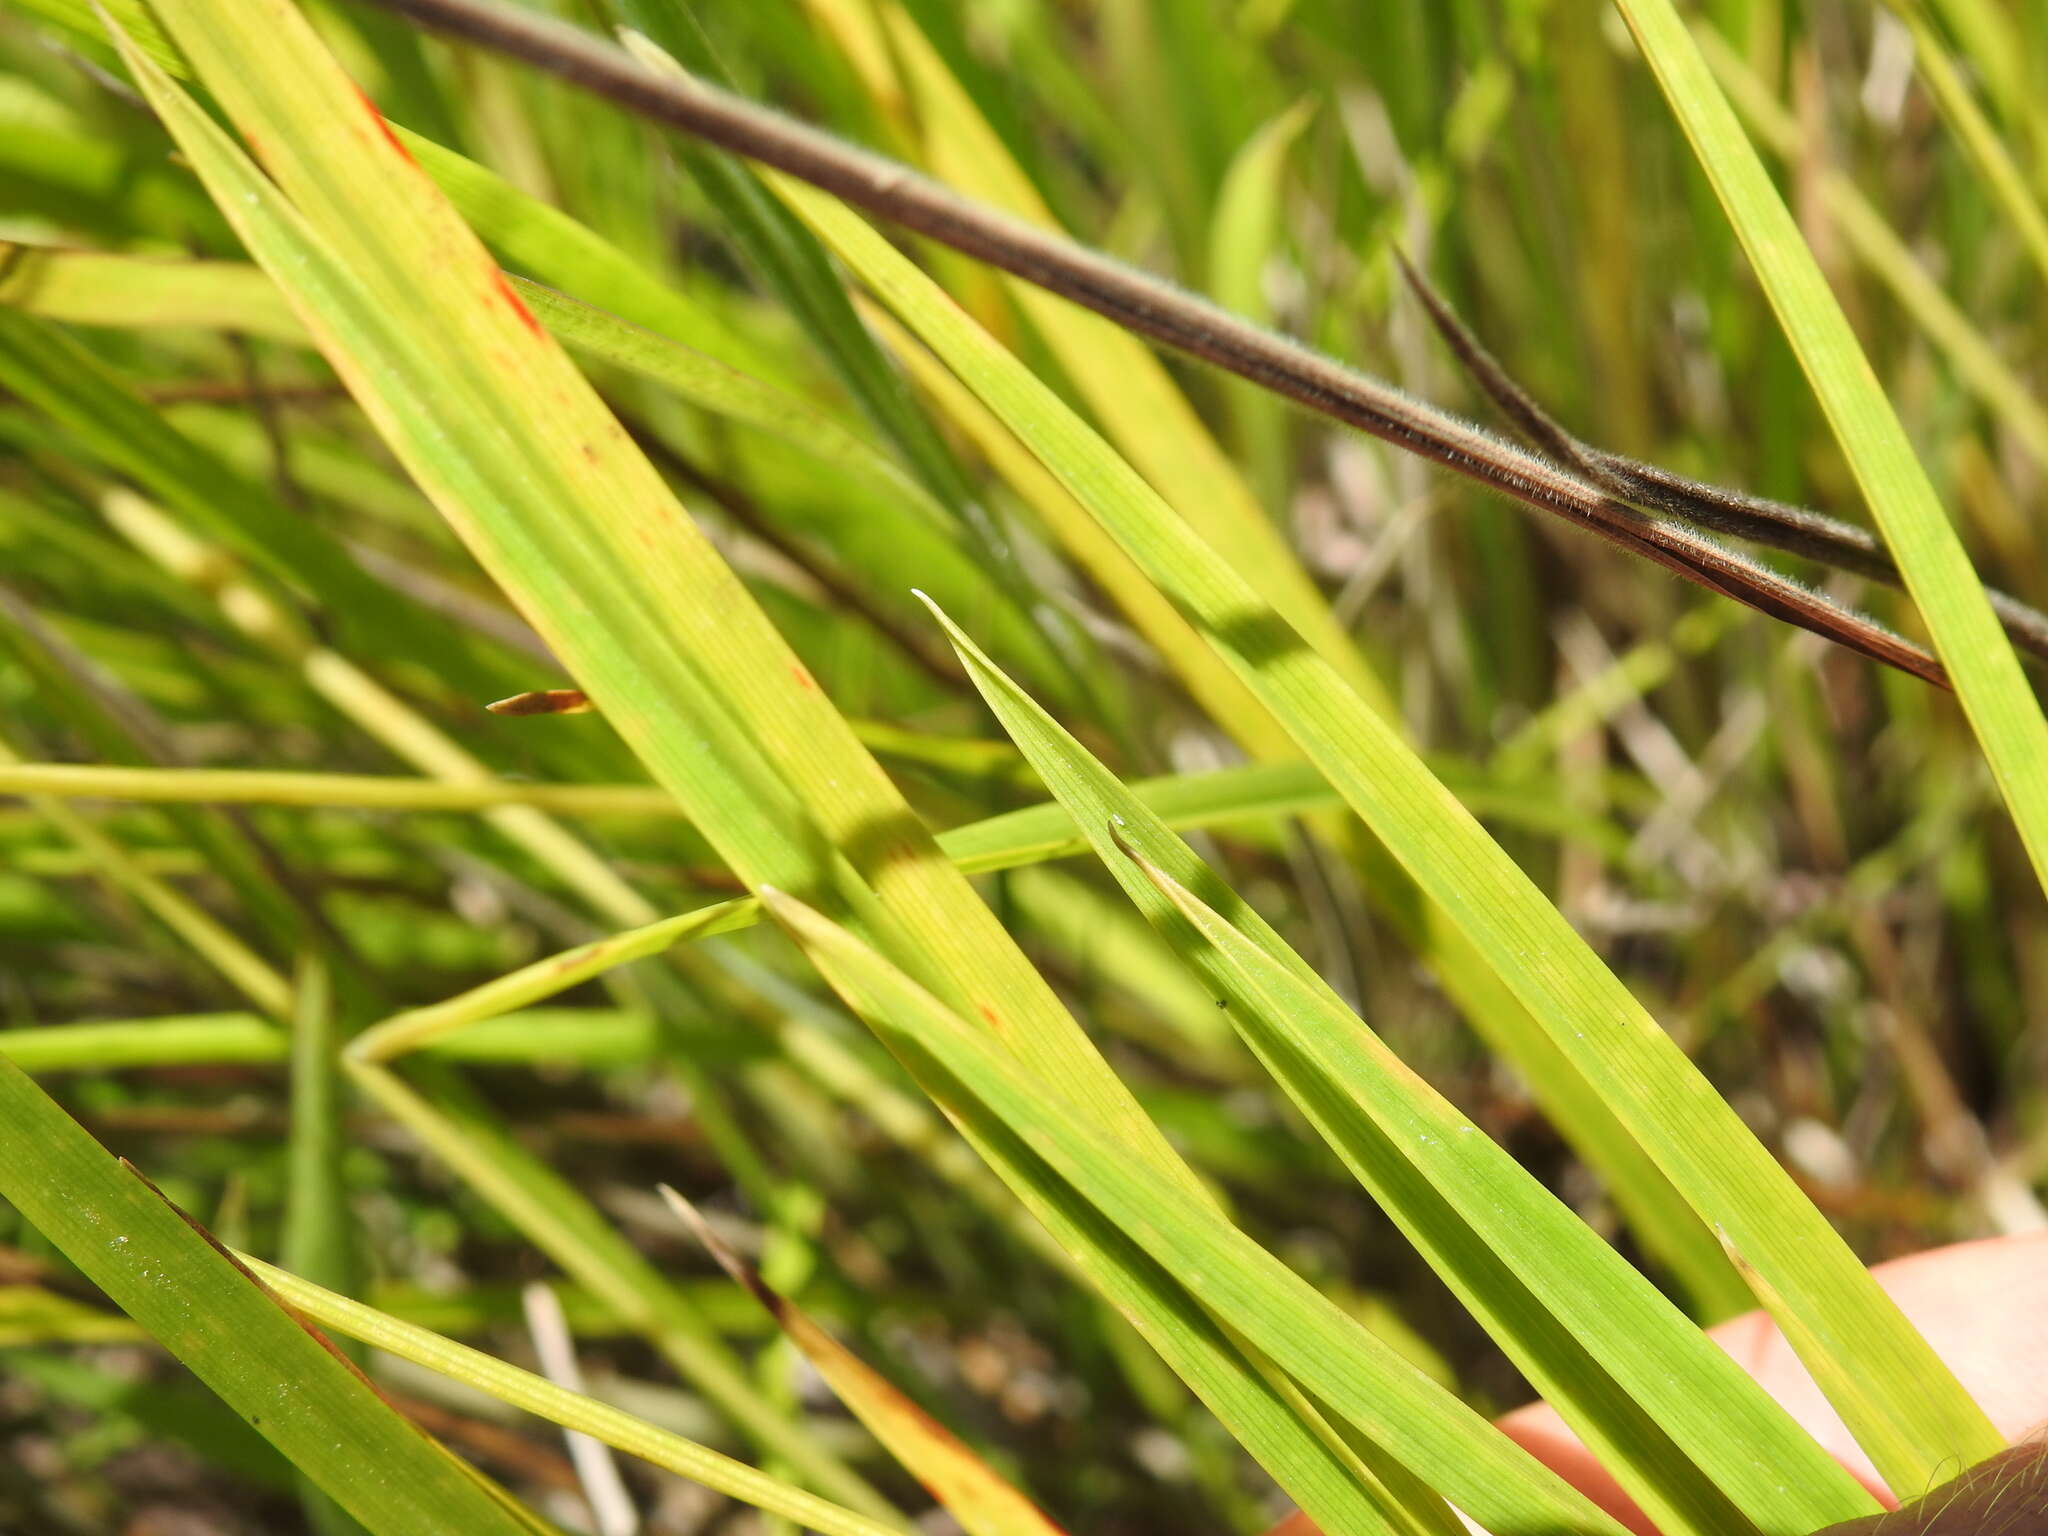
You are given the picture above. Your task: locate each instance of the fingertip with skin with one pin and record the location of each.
(1982, 1305)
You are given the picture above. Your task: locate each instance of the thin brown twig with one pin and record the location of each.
(1149, 306)
(1776, 524)
(742, 509)
(237, 391)
(275, 438)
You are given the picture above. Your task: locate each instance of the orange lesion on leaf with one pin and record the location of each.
(804, 680)
(513, 302)
(383, 127)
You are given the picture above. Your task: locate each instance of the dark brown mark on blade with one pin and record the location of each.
(545, 701)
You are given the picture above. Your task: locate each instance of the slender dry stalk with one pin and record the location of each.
(1151, 307)
(1776, 524)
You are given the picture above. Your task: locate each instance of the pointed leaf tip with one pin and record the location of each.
(701, 1229)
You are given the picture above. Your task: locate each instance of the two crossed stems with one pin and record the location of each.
(1645, 510)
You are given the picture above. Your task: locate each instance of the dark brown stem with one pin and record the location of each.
(1147, 305)
(234, 392)
(1776, 524)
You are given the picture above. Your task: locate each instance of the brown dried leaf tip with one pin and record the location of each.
(719, 1249)
(545, 701)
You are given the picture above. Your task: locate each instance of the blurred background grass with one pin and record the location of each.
(1794, 857)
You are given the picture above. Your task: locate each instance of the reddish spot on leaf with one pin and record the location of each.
(804, 680)
(512, 300)
(589, 452)
(993, 1019)
(383, 127)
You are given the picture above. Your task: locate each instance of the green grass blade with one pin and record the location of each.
(306, 1400)
(572, 1410)
(1590, 1018)
(703, 380)
(101, 288)
(1977, 364)
(1664, 1409)
(571, 456)
(547, 245)
(1016, 839)
(51, 370)
(1674, 1237)
(1447, 1445)
(317, 1236)
(386, 792)
(1244, 233)
(1920, 1419)
(1143, 411)
(794, 266)
(1987, 152)
(196, 1040)
(1259, 1410)
(1990, 38)
(596, 1038)
(505, 1163)
(1239, 798)
(567, 520)
(83, 19)
(578, 525)
(494, 424)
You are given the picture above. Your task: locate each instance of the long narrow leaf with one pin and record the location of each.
(493, 422)
(207, 1310)
(43, 365)
(573, 1410)
(1590, 1018)
(1438, 1438)
(967, 1487)
(1910, 1415)
(1142, 409)
(101, 288)
(1670, 1414)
